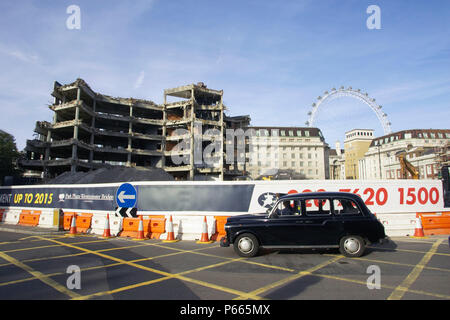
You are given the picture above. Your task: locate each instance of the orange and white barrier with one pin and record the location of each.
(192, 226)
(29, 218)
(68, 220)
(11, 216)
(130, 227)
(219, 232)
(435, 222)
(398, 224)
(49, 218)
(99, 222)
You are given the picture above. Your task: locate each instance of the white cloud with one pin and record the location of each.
(19, 54)
(139, 80)
(411, 91)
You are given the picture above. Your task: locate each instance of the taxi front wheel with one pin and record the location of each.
(352, 246)
(246, 245)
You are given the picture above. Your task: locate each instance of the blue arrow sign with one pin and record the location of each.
(126, 196)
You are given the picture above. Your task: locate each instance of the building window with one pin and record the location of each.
(306, 133)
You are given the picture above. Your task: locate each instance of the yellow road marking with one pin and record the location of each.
(364, 283)
(241, 295)
(413, 251)
(52, 245)
(94, 267)
(167, 274)
(397, 263)
(409, 280)
(38, 275)
(133, 286)
(252, 295)
(50, 236)
(146, 283)
(291, 278)
(74, 254)
(243, 261)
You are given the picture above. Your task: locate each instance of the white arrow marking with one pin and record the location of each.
(122, 196)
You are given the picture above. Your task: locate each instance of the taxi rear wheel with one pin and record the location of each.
(246, 245)
(352, 246)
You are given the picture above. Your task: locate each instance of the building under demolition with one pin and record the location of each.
(92, 130)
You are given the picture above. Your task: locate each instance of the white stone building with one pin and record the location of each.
(302, 150)
(426, 149)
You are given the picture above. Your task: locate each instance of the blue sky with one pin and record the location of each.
(271, 58)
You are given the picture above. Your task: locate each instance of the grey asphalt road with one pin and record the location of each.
(54, 266)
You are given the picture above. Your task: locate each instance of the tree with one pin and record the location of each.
(8, 155)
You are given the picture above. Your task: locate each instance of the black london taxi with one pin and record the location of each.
(307, 220)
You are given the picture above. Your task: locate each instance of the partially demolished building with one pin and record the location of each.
(92, 130)
(190, 124)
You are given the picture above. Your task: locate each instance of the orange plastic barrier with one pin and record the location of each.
(68, 220)
(130, 227)
(435, 222)
(157, 226)
(153, 227)
(29, 218)
(220, 228)
(83, 222)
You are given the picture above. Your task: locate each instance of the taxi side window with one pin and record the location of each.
(316, 207)
(289, 208)
(345, 207)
